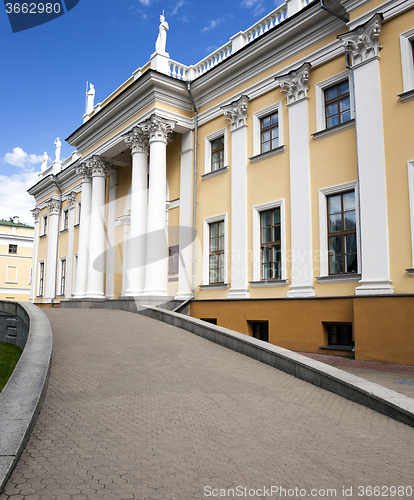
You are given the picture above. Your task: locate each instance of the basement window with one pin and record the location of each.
(339, 336)
(260, 330)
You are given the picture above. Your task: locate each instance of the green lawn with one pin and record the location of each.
(9, 356)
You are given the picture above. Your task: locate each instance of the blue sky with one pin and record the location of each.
(45, 70)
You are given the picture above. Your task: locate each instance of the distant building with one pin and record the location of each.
(303, 152)
(16, 250)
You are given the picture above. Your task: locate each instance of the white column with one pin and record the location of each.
(186, 217)
(69, 263)
(137, 140)
(36, 217)
(110, 235)
(237, 114)
(52, 234)
(296, 85)
(157, 251)
(95, 283)
(363, 46)
(84, 223)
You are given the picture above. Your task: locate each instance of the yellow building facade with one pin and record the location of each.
(271, 185)
(16, 249)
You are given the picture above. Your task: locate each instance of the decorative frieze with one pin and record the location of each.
(71, 199)
(36, 215)
(362, 43)
(53, 206)
(236, 113)
(84, 171)
(295, 84)
(138, 139)
(159, 129)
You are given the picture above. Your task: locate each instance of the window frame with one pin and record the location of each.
(336, 100)
(206, 250)
(217, 252)
(410, 166)
(62, 276)
(407, 59)
(320, 88)
(208, 152)
(11, 248)
(257, 241)
(65, 219)
(270, 244)
(45, 222)
(257, 117)
(41, 279)
(221, 148)
(323, 233)
(269, 128)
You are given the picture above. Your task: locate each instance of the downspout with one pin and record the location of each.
(194, 186)
(342, 18)
(57, 240)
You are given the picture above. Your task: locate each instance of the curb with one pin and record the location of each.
(357, 389)
(23, 395)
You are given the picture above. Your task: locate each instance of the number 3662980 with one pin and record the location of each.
(33, 8)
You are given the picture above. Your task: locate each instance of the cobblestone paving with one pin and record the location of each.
(139, 409)
(388, 375)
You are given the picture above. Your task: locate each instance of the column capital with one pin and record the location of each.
(84, 171)
(71, 199)
(137, 139)
(53, 206)
(295, 84)
(99, 167)
(36, 215)
(159, 129)
(236, 113)
(362, 43)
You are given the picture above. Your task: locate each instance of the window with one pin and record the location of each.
(342, 241)
(65, 219)
(217, 154)
(41, 278)
(407, 59)
(78, 216)
(12, 248)
(216, 252)
(337, 104)
(260, 330)
(270, 244)
(62, 276)
(173, 253)
(44, 225)
(269, 132)
(339, 335)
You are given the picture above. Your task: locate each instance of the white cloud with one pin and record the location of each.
(178, 6)
(21, 159)
(215, 23)
(258, 6)
(147, 3)
(14, 200)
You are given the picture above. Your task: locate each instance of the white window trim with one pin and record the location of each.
(60, 275)
(44, 217)
(277, 106)
(38, 278)
(62, 222)
(407, 62)
(207, 148)
(256, 236)
(206, 242)
(411, 195)
(7, 275)
(75, 270)
(320, 97)
(323, 227)
(77, 218)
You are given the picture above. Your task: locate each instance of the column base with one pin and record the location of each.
(94, 295)
(132, 293)
(297, 291)
(374, 288)
(238, 293)
(154, 293)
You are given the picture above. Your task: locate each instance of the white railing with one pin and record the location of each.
(178, 70)
(265, 24)
(213, 59)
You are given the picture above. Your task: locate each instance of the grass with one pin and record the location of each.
(9, 356)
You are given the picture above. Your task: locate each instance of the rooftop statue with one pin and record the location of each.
(90, 98)
(162, 35)
(58, 147)
(44, 163)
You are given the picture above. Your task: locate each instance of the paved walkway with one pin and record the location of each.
(139, 409)
(399, 378)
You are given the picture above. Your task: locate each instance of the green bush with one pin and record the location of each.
(9, 356)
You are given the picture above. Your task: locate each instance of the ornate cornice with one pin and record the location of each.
(53, 206)
(84, 171)
(362, 43)
(295, 84)
(36, 215)
(158, 128)
(71, 199)
(236, 113)
(138, 139)
(99, 168)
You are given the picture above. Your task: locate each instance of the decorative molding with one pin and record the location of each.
(53, 206)
(71, 199)
(236, 113)
(84, 171)
(295, 84)
(98, 167)
(338, 278)
(36, 215)
(362, 43)
(334, 130)
(215, 286)
(268, 283)
(159, 129)
(268, 154)
(137, 139)
(219, 171)
(406, 96)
